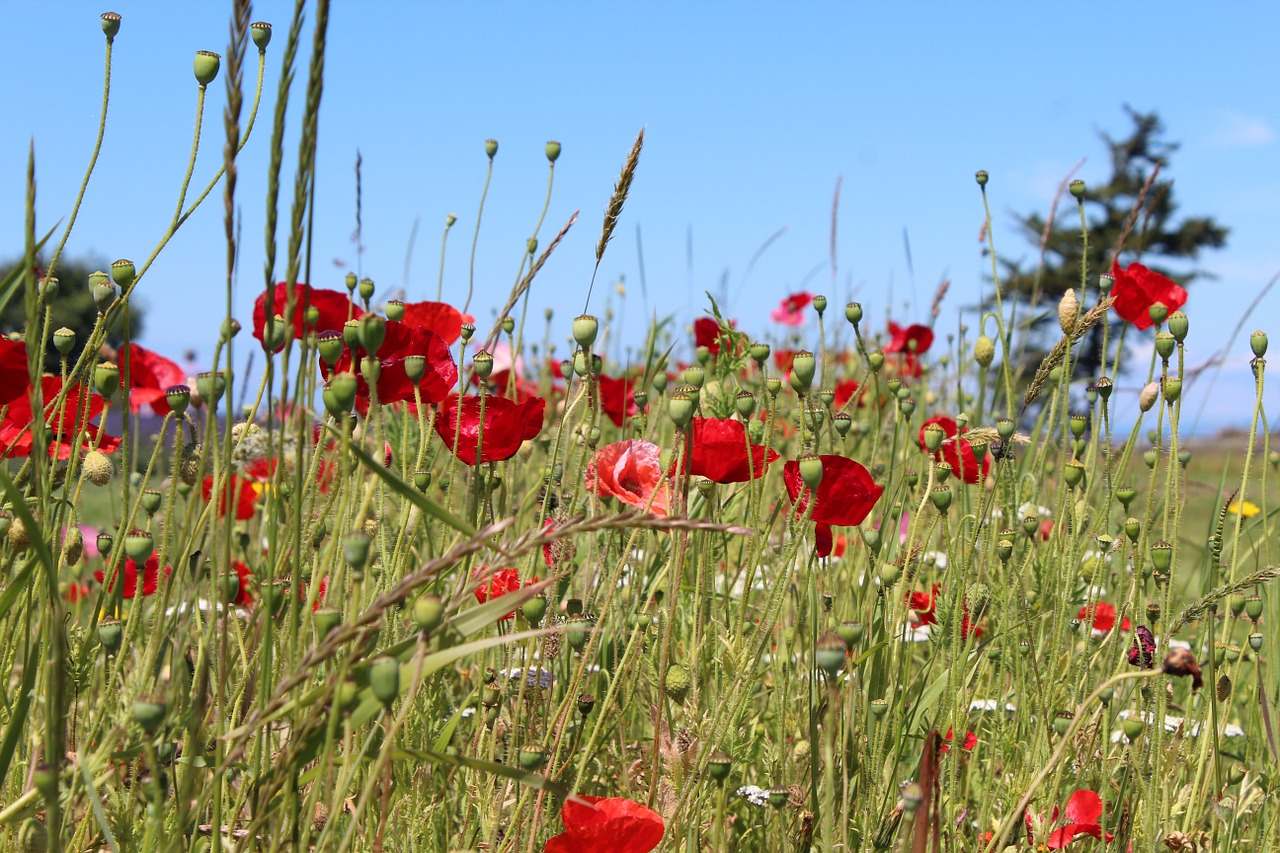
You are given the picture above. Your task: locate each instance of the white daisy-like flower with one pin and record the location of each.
(990, 705)
(754, 794)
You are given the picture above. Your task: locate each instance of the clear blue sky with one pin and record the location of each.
(752, 111)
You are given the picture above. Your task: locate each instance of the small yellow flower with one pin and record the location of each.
(1246, 508)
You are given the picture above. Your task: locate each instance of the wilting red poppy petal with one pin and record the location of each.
(607, 824)
(507, 425)
(238, 489)
(631, 472)
(719, 452)
(335, 309)
(1137, 288)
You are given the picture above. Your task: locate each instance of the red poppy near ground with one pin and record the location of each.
(150, 577)
(970, 741)
(499, 583)
(925, 606)
(439, 376)
(957, 452)
(81, 406)
(631, 472)
(845, 496)
(237, 489)
(1104, 616)
(150, 376)
(335, 309)
(610, 824)
(1138, 288)
(790, 311)
(507, 425)
(617, 398)
(719, 452)
(1084, 809)
(440, 318)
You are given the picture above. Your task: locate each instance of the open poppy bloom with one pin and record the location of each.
(335, 309)
(65, 432)
(846, 390)
(970, 741)
(439, 376)
(706, 333)
(13, 370)
(845, 496)
(790, 312)
(150, 377)
(239, 493)
(631, 472)
(609, 824)
(439, 318)
(150, 577)
(500, 583)
(719, 452)
(957, 452)
(616, 398)
(507, 425)
(1138, 288)
(1103, 615)
(925, 604)
(783, 359)
(1084, 809)
(909, 343)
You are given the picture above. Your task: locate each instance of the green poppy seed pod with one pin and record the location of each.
(854, 313)
(773, 385)
(744, 402)
(678, 683)
(367, 289)
(1078, 423)
(1132, 529)
(1153, 613)
(889, 574)
(1219, 653)
(138, 544)
(830, 654)
(941, 471)
(329, 343)
(778, 797)
(879, 707)
(1004, 550)
(1158, 312)
(828, 397)
(1172, 389)
(1235, 773)
(106, 379)
(1253, 607)
(1236, 603)
(534, 610)
(1077, 189)
(1151, 456)
(1258, 343)
(803, 368)
(110, 24)
(1062, 721)
(395, 310)
(151, 499)
(1126, 494)
(482, 364)
(1255, 641)
(347, 696)
(586, 702)
(553, 151)
(350, 281)
(718, 766)
(1179, 325)
(981, 177)
(1184, 457)
(1133, 728)
(894, 385)
(310, 317)
(695, 375)
(110, 634)
(585, 329)
(531, 245)
(843, 423)
(372, 331)
(871, 538)
(1031, 525)
(491, 147)
(415, 367)
(532, 757)
(230, 328)
(1161, 555)
(206, 67)
(370, 369)
(273, 333)
(64, 340)
(351, 333)
(355, 549)
(428, 612)
(122, 272)
(875, 361)
(326, 619)
(344, 386)
(578, 630)
(1233, 654)
(105, 543)
(760, 352)
(680, 409)
(581, 364)
(1105, 282)
(811, 470)
(149, 713)
(984, 351)
(48, 287)
(941, 498)
(1165, 345)
(178, 397)
(641, 398)
(1073, 473)
(934, 435)
(384, 680)
(260, 32)
(422, 480)
(820, 304)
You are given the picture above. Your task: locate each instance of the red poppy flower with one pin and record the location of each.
(335, 309)
(15, 429)
(783, 359)
(970, 741)
(1103, 615)
(957, 452)
(507, 425)
(394, 385)
(1138, 288)
(706, 333)
(630, 471)
(1084, 809)
(150, 376)
(438, 317)
(719, 452)
(790, 311)
(237, 490)
(925, 605)
(845, 496)
(500, 583)
(607, 823)
(76, 591)
(616, 398)
(846, 390)
(13, 370)
(150, 577)
(908, 343)
(500, 381)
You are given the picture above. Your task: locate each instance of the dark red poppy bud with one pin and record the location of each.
(1181, 662)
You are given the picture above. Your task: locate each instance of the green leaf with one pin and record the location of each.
(18, 714)
(12, 282)
(532, 780)
(411, 494)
